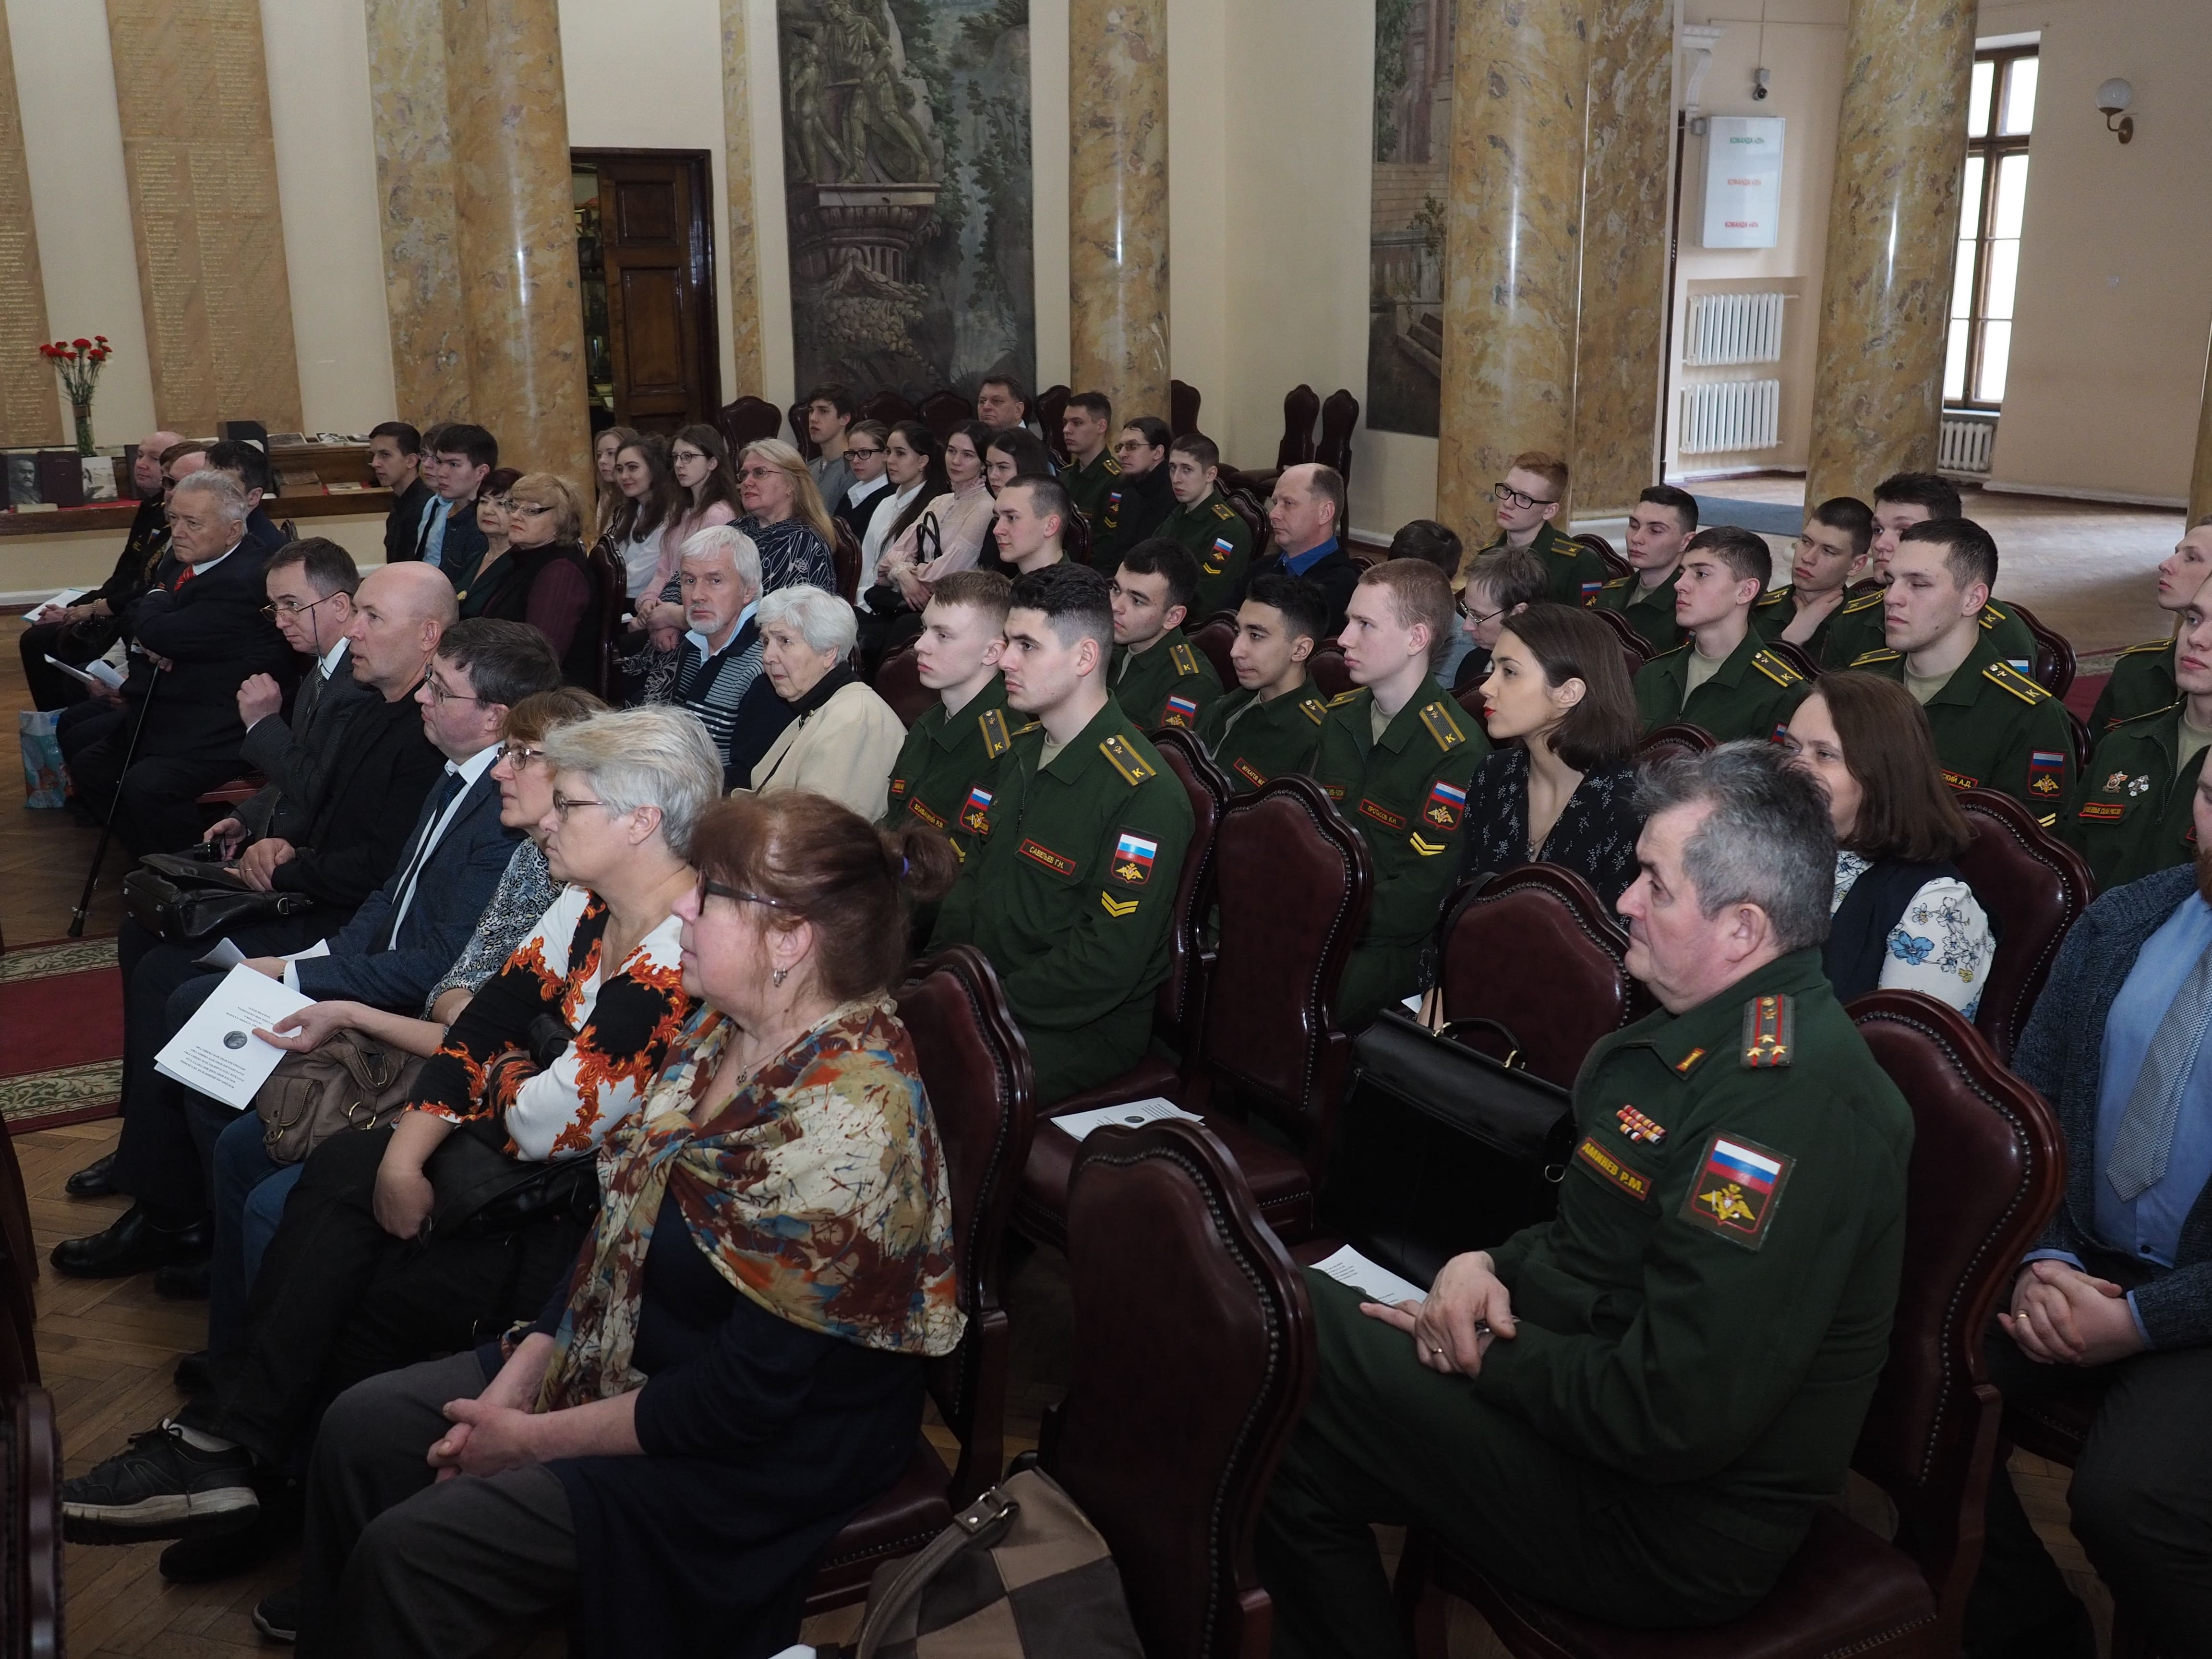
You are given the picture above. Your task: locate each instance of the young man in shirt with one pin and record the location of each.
(1157, 675)
(1723, 680)
(1092, 469)
(1528, 498)
(1204, 525)
(1026, 522)
(1831, 554)
(1901, 501)
(395, 456)
(1271, 724)
(947, 773)
(461, 457)
(1663, 521)
(829, 412)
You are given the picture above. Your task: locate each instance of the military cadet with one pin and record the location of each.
(1528, 498)
(2129, 813)
(1831, 554)
(1724, 679)
(1994, 727)
(1637, 1409)
(1071, 892)
(1271, 724)
(1026, 517)
(1157, 675)
(1395, 755)
(1205, 525)
(1305, 515)
(1661, 522)
(1140, 499)
(946, 773)
(1499, 586)
(1092, 469)
(2142, 678)
(1899, 503)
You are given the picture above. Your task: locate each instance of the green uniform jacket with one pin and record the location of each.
(1170, 682)
(1752, 693)
(1072, 896)
(1214, 534)
(1276, 738)
(1087, 486)
(1649, 613)
(2129, 813)
(1407, 795)
(1709, 1312)
(1995, 728)
(948, 768)
(1578, 573)
(2143, 681)
(1775, 609)
(1856, 630)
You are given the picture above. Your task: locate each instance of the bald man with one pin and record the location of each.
(1306, 515)
(75, 633)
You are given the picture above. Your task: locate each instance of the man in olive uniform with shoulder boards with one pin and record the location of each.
(1396, 757)
(1271, 724)
(1635, 1410)
(1901, 503)
(2130, 813)
(1659, 526)
(1528, 498)
(2142, 678)
(1205, 525)
(1092, 470)
(1157, 675)
(947, 772)
(1071, 890)
(1994, 727)
(1831, 551)
(1724, 680)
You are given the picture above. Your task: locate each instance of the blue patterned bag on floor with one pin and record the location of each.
(45, 781)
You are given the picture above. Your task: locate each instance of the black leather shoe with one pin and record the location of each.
(192, 1375)
(133, 1245)
(183, 1281)
(96, 1179)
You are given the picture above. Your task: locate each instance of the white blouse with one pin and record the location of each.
(640, 557)
(1940, 946)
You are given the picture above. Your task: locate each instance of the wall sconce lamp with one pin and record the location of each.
(2112, 97)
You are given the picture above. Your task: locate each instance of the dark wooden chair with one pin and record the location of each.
(2053, 667)
(1328, 669)
(1638, 648)
(898, 683)
(1214, 636)
(976, 1070)
(19, 1275)
(1051, 407)
(1985, 1175)
(807, 448)
(614, 599)
(2035, 887)
(1340, 418)
(751, 419)
(1075, 538)
(1300, 408)
(1615, 565)
(30, 1606)
(845, 561)
(288, 529)
(945, 409)
(2078, 729)
(1675, 737)
(1183, 400)
(1246, 506)
(888, 407)
(1185, 1396)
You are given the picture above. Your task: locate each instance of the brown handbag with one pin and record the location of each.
(351, 1082)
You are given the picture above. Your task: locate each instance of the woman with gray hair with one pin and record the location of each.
(814, 725)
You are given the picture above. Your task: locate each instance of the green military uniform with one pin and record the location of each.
(1752, 693)
(1087, 487)
(947, 771)
(1170, 682)
(2141, 681)
(1856, 629)
(1215, 534)
(1772, 612)
(1995, 728)
(1071, 894)
(2130, 813)
(1649, 610)
(1406, 792)
(1697, 1336)
(1577, 572)
(1268, 740)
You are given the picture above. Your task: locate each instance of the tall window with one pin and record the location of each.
(1990, 203)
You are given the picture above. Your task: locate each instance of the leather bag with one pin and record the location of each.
(478, 1188)
(351, 1082)
(1440, 1148)
(184, 899)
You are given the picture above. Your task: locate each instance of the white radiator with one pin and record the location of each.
(1731, 414)
(1966, 442)
(1735, 328)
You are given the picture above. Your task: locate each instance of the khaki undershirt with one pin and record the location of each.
(1702, 668)
(1378, 720)
(1229, 724)
(1050, 753)
(1924, 687)
(2193, 737)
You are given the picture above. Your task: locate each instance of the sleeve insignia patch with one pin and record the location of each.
(1133, 860)
(1738, 1185)
(996, 739)
(1133, 767)
(2005, 675)
(1315, 709)
(1115, 907)
(1382, 814)
(1591, 592)
(2047, 770)
(975, 811)
(1637, 1126)
(1612, 1171)
(1442, 727)
(1960, 781)
(1180, 711)
(1775, 669)
(1249, 773)
(1223, 545)
(1185, 658)
(1058, 863)
(1342, 697)
(2117, 781)
(1427, 849)
(1333, 791)
(2101, 811)
(935, 820)
(1768, 1032)
(1445, 804)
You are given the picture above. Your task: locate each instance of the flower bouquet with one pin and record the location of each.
(78, 362)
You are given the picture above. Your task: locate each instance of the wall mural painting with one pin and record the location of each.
(1413, 41)
(906, 132)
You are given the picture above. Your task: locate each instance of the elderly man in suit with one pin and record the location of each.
(2110, 1317)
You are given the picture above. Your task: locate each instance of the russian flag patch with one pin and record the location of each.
(2046, 768)
(1738, 1185)
(975, 811)
(1445, 804)
(1180, 711)
(1223, 546)
(1133, 860)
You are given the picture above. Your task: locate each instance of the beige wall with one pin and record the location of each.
(32, 567)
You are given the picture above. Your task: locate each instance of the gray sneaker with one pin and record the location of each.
(159, 1487)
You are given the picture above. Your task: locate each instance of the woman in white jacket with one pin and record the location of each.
(842, 739)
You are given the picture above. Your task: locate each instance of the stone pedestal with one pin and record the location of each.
(1892, 234)
(1117, 62)
(1513, 246)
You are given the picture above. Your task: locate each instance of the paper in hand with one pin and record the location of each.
(216, 1053)
(98, 673)
(1370, 1278)
(61, 601)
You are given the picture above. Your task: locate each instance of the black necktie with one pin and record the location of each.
(311, 697)
(452, 786)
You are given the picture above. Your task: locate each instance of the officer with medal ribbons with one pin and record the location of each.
(1271, 724)
(947, 771)
(1157, 675)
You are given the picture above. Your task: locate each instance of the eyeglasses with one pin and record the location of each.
(519, 755)
(292, 607)
(1505, 496)
(687, 455)
(761, 472)
(863, 454)
(440, 695)
(708, 889)
(1478, 617)
(562, 805)
(529, 509)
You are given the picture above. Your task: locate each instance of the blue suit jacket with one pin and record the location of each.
(450, 897)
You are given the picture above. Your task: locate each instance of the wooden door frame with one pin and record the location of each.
(701, 165)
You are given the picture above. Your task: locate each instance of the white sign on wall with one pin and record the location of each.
(1743, 180)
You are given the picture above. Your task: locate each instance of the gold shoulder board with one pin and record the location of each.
(1873, 659)
(1344, 697)
(1222, 510)
(1852, 607)
(2147, 645)
(1991, 616)
(1772, 596)
(1028, 726)
(1442, 727)
(1775, 669)
(1133, 767)
(996, 739)
(1315, 709)
(1185, 658)
(1618, 581)
(1113, 467)
(2005, 674)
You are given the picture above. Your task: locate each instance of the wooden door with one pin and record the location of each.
(656, 248)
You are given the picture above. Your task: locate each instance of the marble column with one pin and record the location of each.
(30, 401)
(1513, 246)
(1892, 231)
(742, 241)
(1623, 266)
(1117, 178)
(515, 214)
(2200, 475)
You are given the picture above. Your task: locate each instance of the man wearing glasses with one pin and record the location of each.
(1528, 498)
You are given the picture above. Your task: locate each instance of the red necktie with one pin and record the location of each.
(186, 574)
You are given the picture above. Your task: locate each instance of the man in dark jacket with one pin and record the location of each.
(1306, 517)
(395, 456)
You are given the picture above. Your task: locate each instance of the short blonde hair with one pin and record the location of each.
(551, 490)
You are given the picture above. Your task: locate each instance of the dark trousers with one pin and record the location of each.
(2140, 1504)
(75, 643)
(1386, 1440)
(393, 1563)
(156, 803)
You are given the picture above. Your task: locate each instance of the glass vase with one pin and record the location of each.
(84, 443)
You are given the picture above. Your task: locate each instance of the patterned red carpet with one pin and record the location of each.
(61, 1034)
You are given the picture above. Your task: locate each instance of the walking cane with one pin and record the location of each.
(107, 829)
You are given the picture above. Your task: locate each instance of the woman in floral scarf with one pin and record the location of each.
(735, 1368)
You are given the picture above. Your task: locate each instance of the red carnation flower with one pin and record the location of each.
(81, 345)
(100, 339)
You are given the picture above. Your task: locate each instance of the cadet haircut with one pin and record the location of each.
(1420, 595)
(1905, 808)
(1074, 599)
(1047, 499)
(1851, 516)
(247, 463)
(1152, 429)
(1938, 494)
(1683, 504)
(405, 436)
(837, 395)
(1745, 553)
(1569, 643)
(1426, 539)
(1970, 552)
(462, 439)
(1200, 447)
(1546, 465)
(1157, 555)
(1302, 605)
(1094, 403)
(1767, 841)
(1512, 576)
(984, 591)
(328, 568)
(504, 661)
(1024, 449)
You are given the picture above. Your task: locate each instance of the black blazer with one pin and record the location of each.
(213, 630)
(1147, 501)
(381, 770)
(1336, 573)
(461, 550)
(403, 526)
(294, 752)
(857, 518)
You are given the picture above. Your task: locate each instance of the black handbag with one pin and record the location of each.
(478, 1188)
(1441, 1149)
(185, 897)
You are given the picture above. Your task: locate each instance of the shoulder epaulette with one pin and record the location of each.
(1438, 717)
(1314, 709)
(1344, 697)
(1113, 467)
(2166, 713)
(1618, 581)
(1870, 658)
(2147, 645)
(2005, 674)
(1566, 548)
(1222, 510)
(1028, 726)
(1991, 617)
(1185, 658)
(1766, 1032)
(1772, 596)
(1133, 767)
(1672, 650)
(1865, 601)
(997, 739)
(1775, 669)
